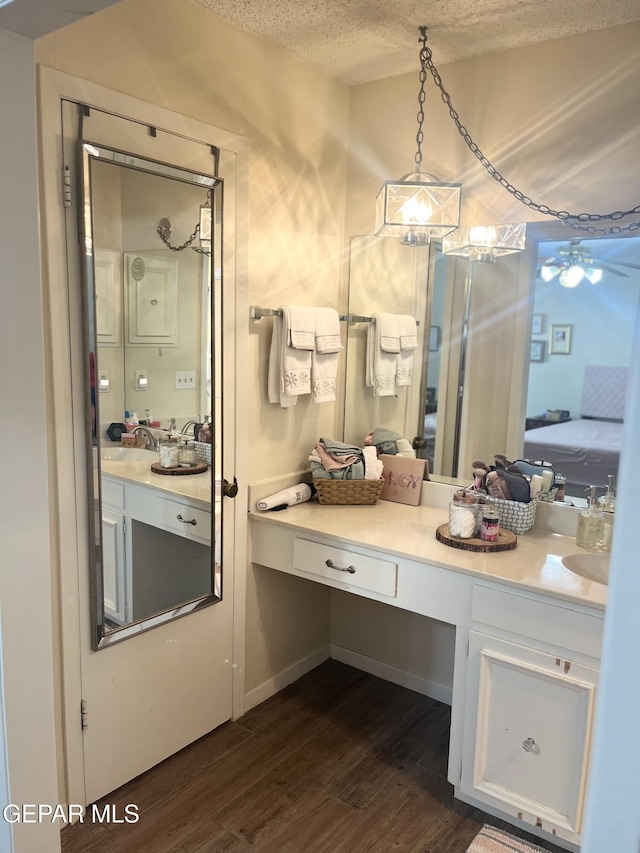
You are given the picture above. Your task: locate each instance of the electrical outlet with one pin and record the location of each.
(142, 381)
(185, 380)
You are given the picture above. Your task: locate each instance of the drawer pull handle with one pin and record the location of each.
(350, 569)
(187, 520)
(529, 745)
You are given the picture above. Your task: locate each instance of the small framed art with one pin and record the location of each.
(560, 339)
(537, 351)
(537, 327)
(434, 338)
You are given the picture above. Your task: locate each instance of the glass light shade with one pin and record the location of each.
(417, 207)
(205, 226)
(548, 272)
(571, 277)
(593, 274)
(485, 243)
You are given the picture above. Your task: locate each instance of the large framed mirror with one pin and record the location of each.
(152, 336)
(494, 377)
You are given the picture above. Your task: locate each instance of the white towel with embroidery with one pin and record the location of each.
(302, 327)
(324, 359)
(289, 368)
(380, 371)
(389, 332)
(408, 343)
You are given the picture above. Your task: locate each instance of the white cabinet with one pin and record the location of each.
(152, 299)
(116, 606)
(527, 733)
(532, 673)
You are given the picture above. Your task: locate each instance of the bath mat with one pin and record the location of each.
(492, 840)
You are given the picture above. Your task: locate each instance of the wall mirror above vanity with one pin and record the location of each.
(469, 400)
(152, 338)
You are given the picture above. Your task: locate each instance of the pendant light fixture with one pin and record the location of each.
(418, 206)
(485, 243)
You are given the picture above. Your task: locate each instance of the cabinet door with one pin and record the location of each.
(152, 298)
(113, 553)
(527, 733)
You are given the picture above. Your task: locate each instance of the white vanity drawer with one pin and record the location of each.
(112, 493)
(187, 520)
(345, 567)
(539, 620)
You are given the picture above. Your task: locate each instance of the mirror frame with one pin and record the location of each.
(89, 152)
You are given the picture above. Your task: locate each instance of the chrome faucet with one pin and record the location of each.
(151, 442)
(188, 424)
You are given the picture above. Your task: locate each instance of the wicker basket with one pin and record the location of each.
(352, 492)
(514, 515)
(203, 451)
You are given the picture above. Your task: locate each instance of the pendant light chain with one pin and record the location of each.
(421, 97)
(570, 219)
(189, 241)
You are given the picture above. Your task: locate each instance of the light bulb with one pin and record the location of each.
(594, 275)
(416, 212)
(571, 277)
(547, 273)
(483, 236)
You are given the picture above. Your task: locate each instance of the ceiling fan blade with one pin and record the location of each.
(625, 264)
(611, 269)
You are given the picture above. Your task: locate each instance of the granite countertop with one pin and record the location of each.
(409, 532)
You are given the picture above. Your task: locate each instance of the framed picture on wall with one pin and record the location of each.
(537, 351)
(537, 327)
(434, 338)
(560, 339)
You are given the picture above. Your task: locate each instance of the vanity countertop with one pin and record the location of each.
(409, 532)
(195, 487)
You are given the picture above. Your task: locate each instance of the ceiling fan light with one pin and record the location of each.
(548, 272)
(572, 276)
(593, 274)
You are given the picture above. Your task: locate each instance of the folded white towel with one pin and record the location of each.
(389, 331)
(276, 366)
(408, 334)
(380, 365)
(302, 327)
(327, 330)
(373, 467)
(289, 368)
(324, 360)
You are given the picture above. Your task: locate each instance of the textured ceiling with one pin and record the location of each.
(360, 40)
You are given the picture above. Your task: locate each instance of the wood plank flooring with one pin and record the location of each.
(338, 762)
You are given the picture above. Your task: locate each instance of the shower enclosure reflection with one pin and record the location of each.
(152, 335)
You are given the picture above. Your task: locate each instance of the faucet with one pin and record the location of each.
(188, 424)
(151, 442)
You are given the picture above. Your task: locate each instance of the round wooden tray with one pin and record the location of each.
(200, 468)
(506, 541)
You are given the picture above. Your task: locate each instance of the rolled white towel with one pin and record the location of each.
(373, 467)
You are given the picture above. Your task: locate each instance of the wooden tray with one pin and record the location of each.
(506, 541)
(200, 468)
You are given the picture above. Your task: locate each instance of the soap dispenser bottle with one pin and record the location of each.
(590, 533)
(607, 503)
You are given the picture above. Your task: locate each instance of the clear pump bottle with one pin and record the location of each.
(590, 533)
(607, 503)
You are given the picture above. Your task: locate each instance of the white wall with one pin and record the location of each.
(25, 581)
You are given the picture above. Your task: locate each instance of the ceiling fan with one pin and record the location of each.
(574, 262)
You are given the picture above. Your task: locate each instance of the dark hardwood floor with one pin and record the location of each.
(338, 762)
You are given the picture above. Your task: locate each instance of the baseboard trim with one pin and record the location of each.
(269, 688)
(418, 683)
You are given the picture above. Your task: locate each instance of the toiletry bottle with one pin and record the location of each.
(607, 503)
(590, 533)
(133, 422)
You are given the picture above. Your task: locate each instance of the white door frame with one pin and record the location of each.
(66, 440)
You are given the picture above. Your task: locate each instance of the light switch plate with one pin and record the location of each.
(103, 381)
(185, 379)
(142, 381)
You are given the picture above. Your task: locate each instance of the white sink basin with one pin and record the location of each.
(593, 567)
(128, 454)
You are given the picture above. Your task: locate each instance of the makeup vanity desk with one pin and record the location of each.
(527, 647)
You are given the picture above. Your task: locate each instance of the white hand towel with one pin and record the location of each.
(408, 333)
(404, 368)
(389, 332)
(324, 360)
(327, 330)
(302, 327)
(380, 365)
(373, 467)
(276, 366)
